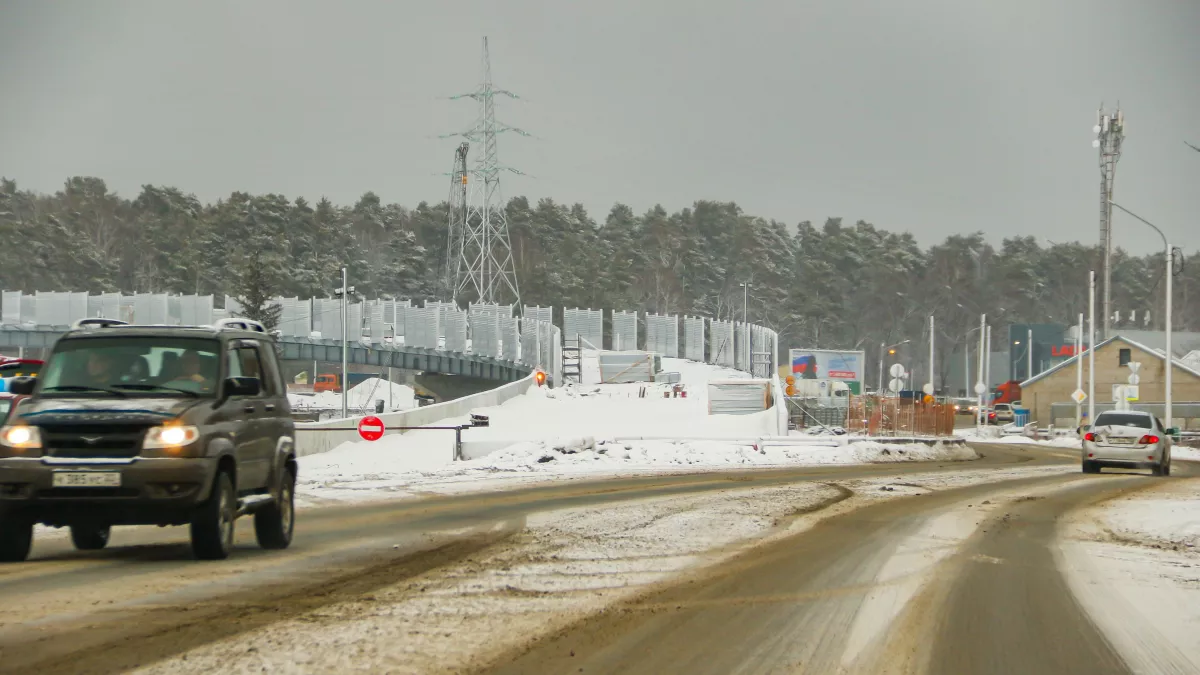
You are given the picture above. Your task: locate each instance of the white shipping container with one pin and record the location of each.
(739, 397)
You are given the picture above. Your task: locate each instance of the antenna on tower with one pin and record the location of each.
(1110, 135)
(457, 221)
(483, 269)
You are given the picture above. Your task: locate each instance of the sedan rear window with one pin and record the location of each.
(1124, 420)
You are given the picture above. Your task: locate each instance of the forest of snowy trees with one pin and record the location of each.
(833, 284)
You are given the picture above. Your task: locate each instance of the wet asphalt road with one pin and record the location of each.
(784, 607)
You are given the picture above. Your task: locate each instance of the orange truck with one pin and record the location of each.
(332, 381)
(1009, 392)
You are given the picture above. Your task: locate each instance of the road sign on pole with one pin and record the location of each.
(1079, 396)
(370, 428)
(897, 370)
(896, 384)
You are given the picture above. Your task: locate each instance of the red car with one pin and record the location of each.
(10, 367)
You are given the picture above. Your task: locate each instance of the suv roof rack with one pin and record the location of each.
(244, 324)
(98, 322)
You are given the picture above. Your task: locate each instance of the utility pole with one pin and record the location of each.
(1110, 135)
(1079, 369)
(486, 272)
(980, 387)
(345, 343)
(932, 386)
(746, 326)
(1029, 355)
(1091, 348)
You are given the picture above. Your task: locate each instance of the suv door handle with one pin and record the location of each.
(250, 408)
(269, 407)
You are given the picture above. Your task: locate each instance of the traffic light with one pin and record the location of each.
(539, 377)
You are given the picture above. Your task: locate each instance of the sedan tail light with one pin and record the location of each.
(1148, 439)
(1089, 436)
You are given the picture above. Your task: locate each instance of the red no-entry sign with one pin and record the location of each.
(370, 428)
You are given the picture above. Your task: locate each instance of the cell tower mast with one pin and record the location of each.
(484, 271)
(459, 179)
(1110, 135)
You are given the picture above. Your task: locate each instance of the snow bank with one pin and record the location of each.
(362, 471)
(586, 430)
(993, 435)
(363, 395)
(1131, 563)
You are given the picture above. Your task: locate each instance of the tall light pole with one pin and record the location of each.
(885, 349)
(345, 292)
(746, 326)
(1091, 348)
(932, 386)
(1170, 257)
(1029, 354)
(980, 387)
(1079, 369)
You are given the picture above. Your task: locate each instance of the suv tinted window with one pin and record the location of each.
(131, 366)
(273, 385)
(1124, 420)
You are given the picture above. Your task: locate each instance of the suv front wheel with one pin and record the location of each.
(212, 524)
(274, 523)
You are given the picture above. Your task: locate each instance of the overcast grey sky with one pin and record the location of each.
(934, 116)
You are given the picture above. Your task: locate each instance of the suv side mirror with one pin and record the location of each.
(242, 386)
(21, 386)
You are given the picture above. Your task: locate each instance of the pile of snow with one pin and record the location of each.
(363, 470)
(995, 435)
(361, 396)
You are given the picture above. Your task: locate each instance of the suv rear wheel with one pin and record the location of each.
(90, 537)
(212, 524)
(16, 537)
(274, 523)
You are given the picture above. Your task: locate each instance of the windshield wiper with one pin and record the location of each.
(156, 387)
(80, 387)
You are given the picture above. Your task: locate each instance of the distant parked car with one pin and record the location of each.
(1129, 439)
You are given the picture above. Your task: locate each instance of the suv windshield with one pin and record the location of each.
(150, 366)
(1123, 420)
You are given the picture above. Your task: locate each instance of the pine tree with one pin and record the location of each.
(255, 292)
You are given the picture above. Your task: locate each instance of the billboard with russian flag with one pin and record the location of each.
(827, 364)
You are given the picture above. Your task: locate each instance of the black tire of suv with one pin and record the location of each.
(275, 522)
(90, 537)
(213, 523)
(16, 538)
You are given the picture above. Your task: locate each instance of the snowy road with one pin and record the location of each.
(813, 569)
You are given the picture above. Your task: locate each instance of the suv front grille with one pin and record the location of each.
(93, 440)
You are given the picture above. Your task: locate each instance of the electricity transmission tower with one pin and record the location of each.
(1110, 134)
(483, 269)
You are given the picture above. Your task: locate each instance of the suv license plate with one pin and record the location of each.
(87, 479)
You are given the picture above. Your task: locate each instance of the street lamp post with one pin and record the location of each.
(345, 292)
(746, 327)
(1170, 270)
(883, 349)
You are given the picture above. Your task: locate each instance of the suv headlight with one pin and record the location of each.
(21, 437)
(174, 436)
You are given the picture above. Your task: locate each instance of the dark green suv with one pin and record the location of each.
(151, 425)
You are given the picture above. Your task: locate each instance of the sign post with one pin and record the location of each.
(371, 428)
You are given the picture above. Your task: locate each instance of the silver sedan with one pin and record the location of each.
(1128, 439)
